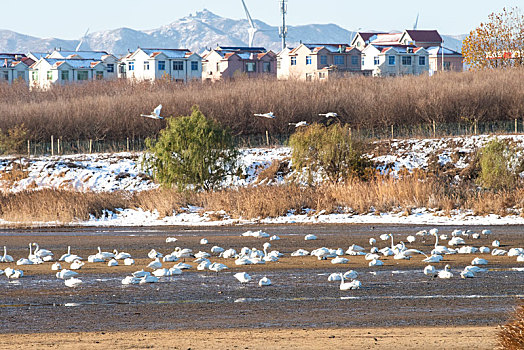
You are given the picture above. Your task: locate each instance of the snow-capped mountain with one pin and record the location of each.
(196, 32)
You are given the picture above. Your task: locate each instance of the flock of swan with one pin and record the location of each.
(252, 256)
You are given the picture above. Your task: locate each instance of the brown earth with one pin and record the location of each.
(339, 338)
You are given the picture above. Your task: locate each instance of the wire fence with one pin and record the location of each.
(57, 146)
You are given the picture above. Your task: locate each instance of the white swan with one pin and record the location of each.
(64, 256)
(13, 273)
(155, 114)
(155, 264)
(24, 261)
(217, 267)
(130, 280)
(76, 265)
(445, 273)
(411, 239)
(269, 115)
(430, 271)
(204, 265)
(44, 254)
(274, 238)
(467, 274)
(129, 261)
(6, 258)
(350, 274)
(264, 281)
(479, 261)
(339, 260)
(148, 279)
(310, 237)
(171, 239)
(242, 277)
(121, 255)
(56, 266)
(73, 282)
(65, 274)
(376, 262)
(355, 284)
(162, 272)
(204, 241)
(217, 250)
(372, 241)
(141, 273)
(495, 243)
(112, 262)
(335, 276)
(104, 255)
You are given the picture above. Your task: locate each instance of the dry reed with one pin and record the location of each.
(109, 110)
(511, 335)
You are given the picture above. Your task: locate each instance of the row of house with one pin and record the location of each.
(412, 52)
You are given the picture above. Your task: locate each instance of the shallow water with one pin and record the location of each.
(300, 297)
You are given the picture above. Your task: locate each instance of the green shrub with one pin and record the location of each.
(497, 162)
(191, 152)
(12, 141)
(329, 152)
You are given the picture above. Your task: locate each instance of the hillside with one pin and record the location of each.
(196, 32)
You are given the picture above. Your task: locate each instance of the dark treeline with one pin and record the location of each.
(109, 110)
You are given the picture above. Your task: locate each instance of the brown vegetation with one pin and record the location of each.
(511, 335)
(383, 194)
(110, 110)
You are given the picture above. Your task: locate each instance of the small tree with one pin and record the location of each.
(498, 166)
(329, 151)
(12, 142)
(191, 151)
(496, 43)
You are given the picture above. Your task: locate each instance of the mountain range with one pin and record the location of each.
(197, 32)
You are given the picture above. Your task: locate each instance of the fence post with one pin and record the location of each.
(516, 126)
(434, 129)
(267, 138)
(28, 148)
(52, 146)
(475, 126)
(392, 131)
(90, 145)
(127, 144)
(58, 146)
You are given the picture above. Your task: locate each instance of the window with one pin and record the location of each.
(20, 75)
(339, 60)
(99, 75)
(250, 66)
(131, 66)
(447, 65)
(178, 65)
(354, 60)
(376, 61)
(161, 65)
(146, 65)
(363, 61)
(194, 65)
(422, 61)
(391, 60)
(5, 75)
(267, 67)
(82, 75)
(293, 61)
(358, 43)
(308, 59)
(110, 67)
(49, 75)
(64, 75)
(34, 75)
(323, 59)
(406, 60)
(321, 75)
(279, 63)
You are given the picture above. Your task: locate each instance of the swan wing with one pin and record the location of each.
(157, 110)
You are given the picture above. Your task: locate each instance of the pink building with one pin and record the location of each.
(230, 62)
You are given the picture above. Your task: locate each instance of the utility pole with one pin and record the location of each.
(283, 29)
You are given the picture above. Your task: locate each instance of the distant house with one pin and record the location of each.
(318, 61)
(229, 62)
(14, 67)
(396, 60)
(109, 60)
(152, 64)
(48, 71)
(430, 40)
(453, 61)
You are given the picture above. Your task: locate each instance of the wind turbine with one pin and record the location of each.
(252, 28)
(81, 40)
(415, 26)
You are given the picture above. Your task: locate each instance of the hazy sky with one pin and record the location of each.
(69, 19)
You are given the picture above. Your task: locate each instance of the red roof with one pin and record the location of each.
(428, 36)
(365, 35)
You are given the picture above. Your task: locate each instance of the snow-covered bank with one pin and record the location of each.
(122, 172)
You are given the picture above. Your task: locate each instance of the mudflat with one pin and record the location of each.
(326, 338)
